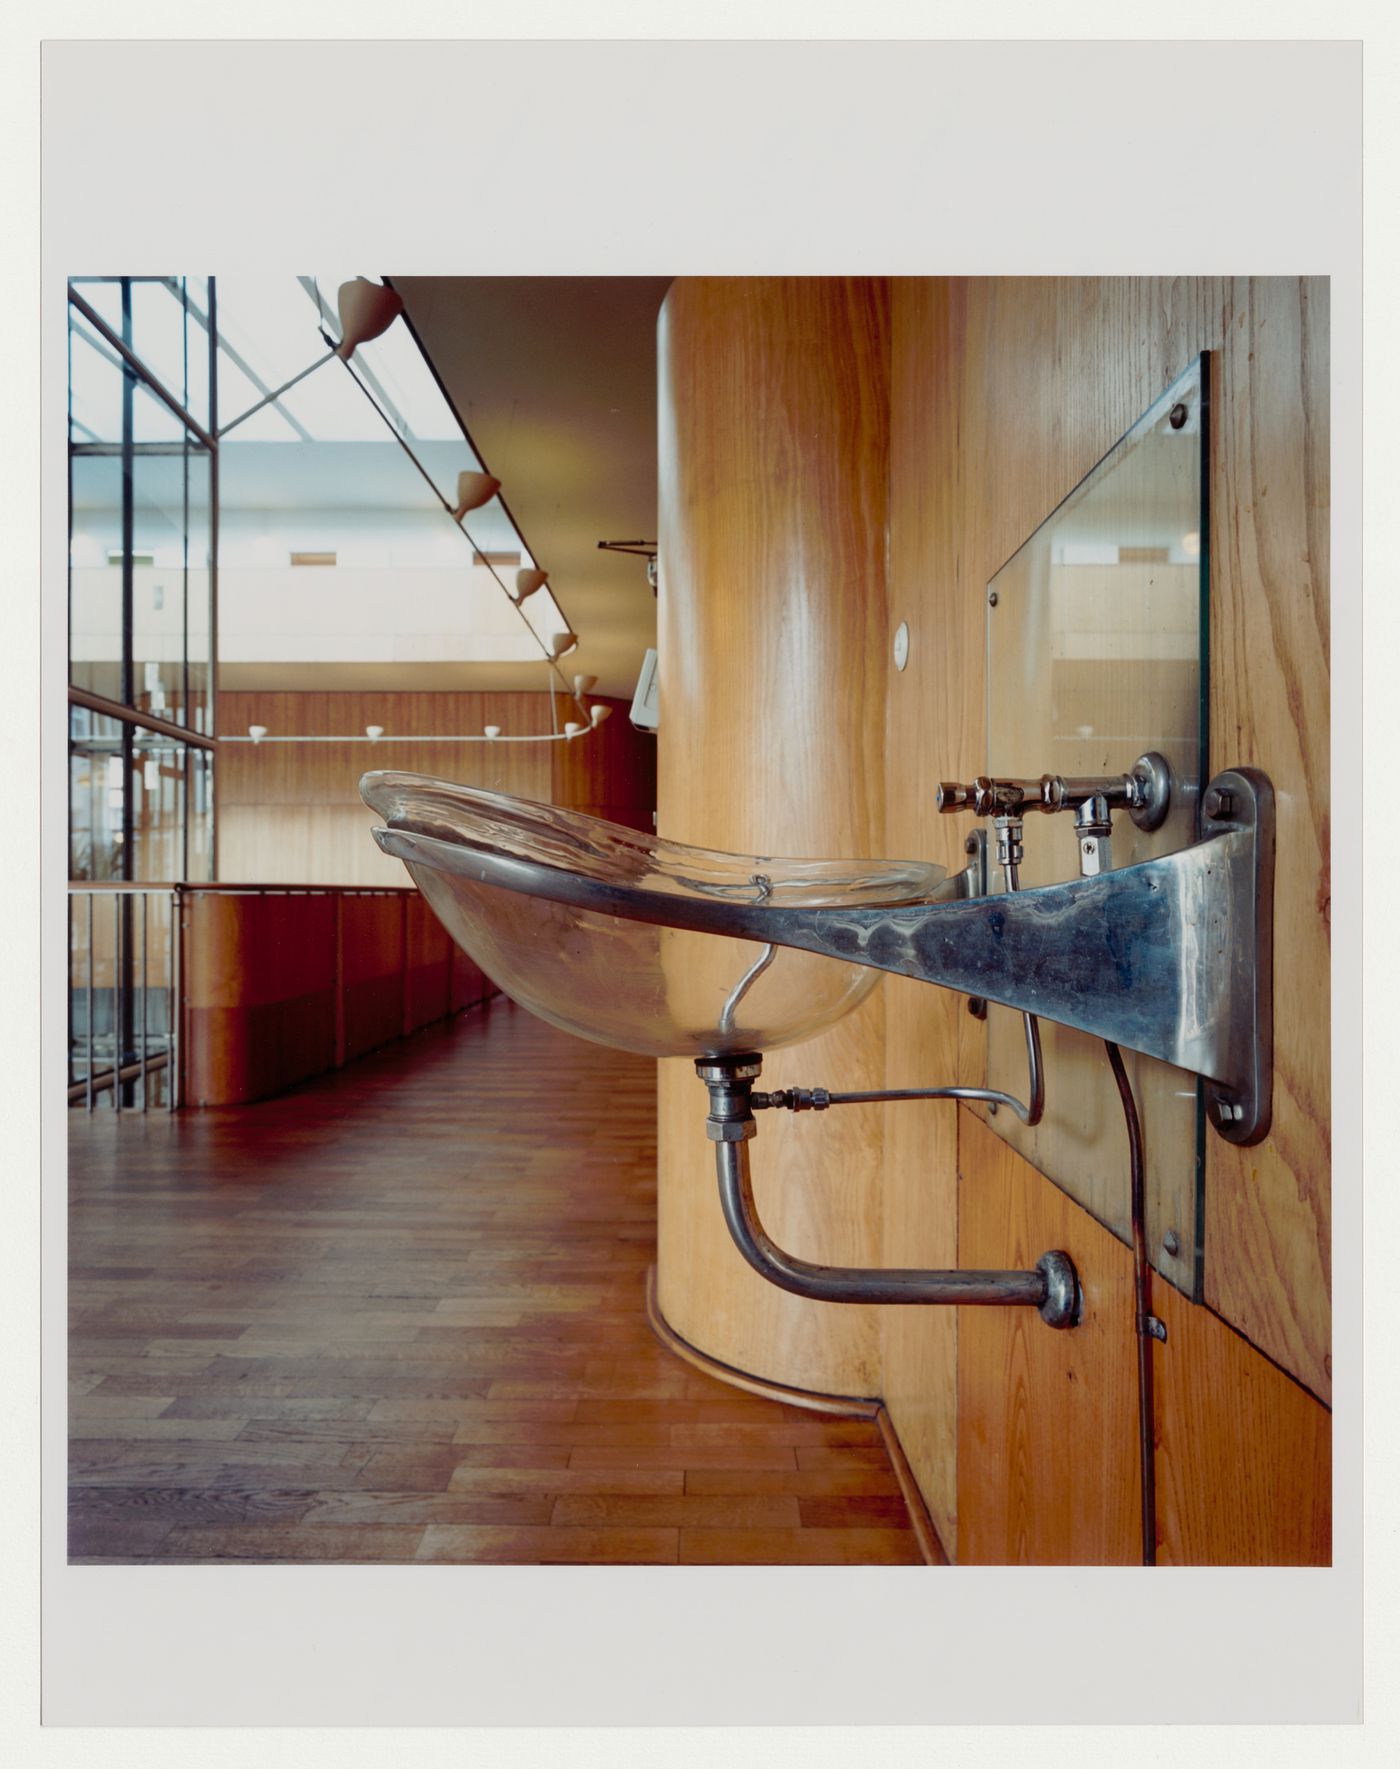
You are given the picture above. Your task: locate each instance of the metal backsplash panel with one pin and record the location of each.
(1096, 653)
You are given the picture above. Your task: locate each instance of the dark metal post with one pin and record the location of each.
(121, 1019)
(211, 692)
(145, 988)
(175, 1083)
(90, 994)
(119, 1003)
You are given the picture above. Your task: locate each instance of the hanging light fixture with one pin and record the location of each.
(374, 732)
(584, 685)
(473, 490)
(573, 729)
(367, 310)
(257, 732)
(527, 582)
(492, 730)
(598, 712)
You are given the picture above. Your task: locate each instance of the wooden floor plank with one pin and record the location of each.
(398, 1314)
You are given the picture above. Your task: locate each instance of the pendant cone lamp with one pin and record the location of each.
(526, 583)
(473, 490)
(561, 644)
(366, 311)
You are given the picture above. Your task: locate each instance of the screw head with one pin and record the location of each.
(1177, 417)
(1171, 1243)
(991, 598)
(978, 1009)
(992, 1107)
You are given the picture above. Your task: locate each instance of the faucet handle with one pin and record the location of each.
(951, 796)
(984, 797)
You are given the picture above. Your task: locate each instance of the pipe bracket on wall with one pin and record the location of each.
(1052, 1287)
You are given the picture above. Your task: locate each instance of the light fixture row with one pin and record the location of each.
(367, 310)
(476, 489)
(489, 733)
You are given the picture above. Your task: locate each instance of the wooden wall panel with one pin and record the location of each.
(1047, 1420)
(259, 986)
(371, 942)
(292, 813)
(773, 439)
(1268, 1209)
(279, 986)
(1004, 393)
(611, 774)
(933, 711)
(1244, 1455)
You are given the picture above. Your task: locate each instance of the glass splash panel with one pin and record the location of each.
(1097, 631)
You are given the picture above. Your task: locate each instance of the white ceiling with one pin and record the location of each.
(555, 378)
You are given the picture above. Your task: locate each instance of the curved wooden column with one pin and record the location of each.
(774, 444)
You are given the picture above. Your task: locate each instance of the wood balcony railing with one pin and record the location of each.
(219, 994)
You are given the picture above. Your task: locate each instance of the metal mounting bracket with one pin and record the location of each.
(1239, 1103)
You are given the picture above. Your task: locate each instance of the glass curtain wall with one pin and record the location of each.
(142, 590)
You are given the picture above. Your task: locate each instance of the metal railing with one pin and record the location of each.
(123, 996)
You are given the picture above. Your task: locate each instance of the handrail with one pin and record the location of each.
(123, 714)
(189, 887)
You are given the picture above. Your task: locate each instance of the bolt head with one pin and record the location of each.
(1171, 1243)
(1177, 417)
(991, 598)
(1219, 802)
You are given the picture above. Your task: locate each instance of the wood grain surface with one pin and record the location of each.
(1047, 1420)
(933, 710)
(291, 813)
(1244, 1454)
(279, 985)
(1004, 393)
(773, 440)
(383, 1318)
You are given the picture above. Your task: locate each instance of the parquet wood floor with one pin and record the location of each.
(398, 1314)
